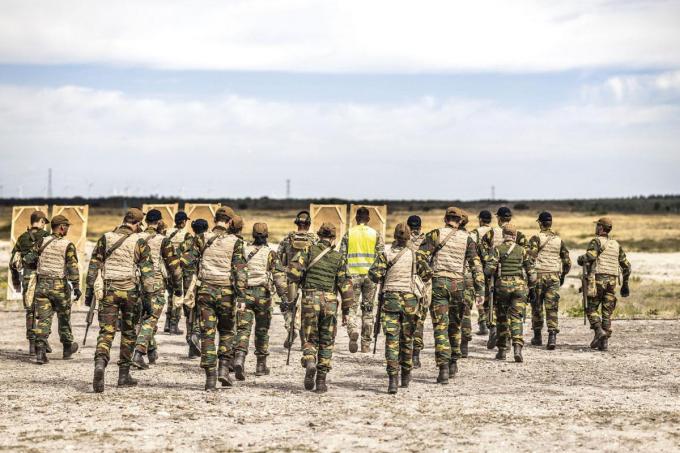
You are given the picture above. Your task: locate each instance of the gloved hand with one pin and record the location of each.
(178, 292)
(77, 293)
(16, 280)
(283, 306)
(581, 260)
(562, 277)
(479, 301)
(625, 290)
(89, 295)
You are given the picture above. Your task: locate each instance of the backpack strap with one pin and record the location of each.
(115, 245)
(318, 257)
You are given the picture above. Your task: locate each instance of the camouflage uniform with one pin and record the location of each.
(477, 234)
(178, 237)
(418, 344)
(189, 265)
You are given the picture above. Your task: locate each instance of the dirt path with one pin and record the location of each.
(569, 399)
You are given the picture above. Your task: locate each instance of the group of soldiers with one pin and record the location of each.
(224, 285)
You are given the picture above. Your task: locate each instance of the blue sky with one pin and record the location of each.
(349, 99)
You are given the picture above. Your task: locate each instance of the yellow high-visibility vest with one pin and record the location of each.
(361, 249)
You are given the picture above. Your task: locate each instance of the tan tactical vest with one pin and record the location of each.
(215, 267)
(399, 277)
(121, 267)
(52, 260)
(480, 232)
(155, 242)
(607, 262)
(450, 260)
(548, 259)
(177, 238)
(416, 240)
(497, 236)
(258, 274)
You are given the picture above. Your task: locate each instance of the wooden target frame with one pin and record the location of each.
(335, 214)
(202, 211)
(21, 220)
(378, 214)
(168, 212)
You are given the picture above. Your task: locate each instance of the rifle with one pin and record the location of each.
(89, 318)
(291, 332)
(376, 324)
(584, 290)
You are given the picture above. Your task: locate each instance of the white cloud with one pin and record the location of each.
(345, 35)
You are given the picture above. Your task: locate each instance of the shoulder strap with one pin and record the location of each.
(442, 243)
(116, 244)
(211, 241)
(173, 234)
(540, 248)
(253, 253)
(394, 260)
(507, 254)
(318, 257)
(44, 246)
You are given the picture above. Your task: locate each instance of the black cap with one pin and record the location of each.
(414, 221)
(181, 216)
(545, 216)
(504, 211)
(199, 226)
(153, 215)
(485, 216)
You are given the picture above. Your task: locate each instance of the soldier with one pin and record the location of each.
(552, 264)
(264, 269)
(296, 241)
(491, 239)
(449, 249)
(177, 236)
(477, 234)
(22, 265)
(122, 256)
(417, 237)
(468, 297)
(396, 269)
(57, 268)
(510, 261)
(223, 279)
(605, 259)
(323, 272)
(165, 261)
(189, 265)
(360, 246)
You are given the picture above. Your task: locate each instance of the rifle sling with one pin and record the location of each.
(117, 244)
(318, 258)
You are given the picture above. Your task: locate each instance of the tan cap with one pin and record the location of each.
(236, 224)
(464, 217)
(134, 215)
(327, 230)
(59, 220)
(402, 231)
(225, 211)
(260, 229)
(509, 230)
(605, 221)
(454, 212)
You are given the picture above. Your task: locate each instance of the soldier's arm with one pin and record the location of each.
(528, 265)
(298, 266)
(145, 265)
(486, 246)
(521, 239)
(344, 283)
(626, 267)
(344, 244)
(192, 250)
(282, 249)
(424, 254)
(96, 262)
(475, 264)
(591, 254)
(239, 269)
(172, 263)
(13, 257)
(533, 246)
(492, 262)
(72, 269)
(566, 260)
(378, 269)
(278, 275)
(379, 244)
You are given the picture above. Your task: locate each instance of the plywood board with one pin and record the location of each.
(168, 212)
(378, 214)
(21, 221)
(335, 214)
(78, 216)
(202, 211)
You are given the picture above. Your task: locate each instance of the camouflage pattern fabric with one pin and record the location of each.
(257, 309)
(469, 302)
(191, 328)
(53, 295)
(600, 308)
(548, 296)
(399, 318)
(127, 304)
(510, 307)
(146, 337)
(364, 291)
(217, 315)
(319, 323)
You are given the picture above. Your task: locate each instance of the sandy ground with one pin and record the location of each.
(571, 399)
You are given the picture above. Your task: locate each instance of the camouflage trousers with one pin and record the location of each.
(399, 319)
(425, 302)
(146, 338)
(218, 315)
(288, 318)
(52, 295)
(484, 313)
(258, 309)
(548, 296)
(604, 302)
(192, 326)
(364, 296)
(510, 308)
(469, 302)
(446, 312)
(127, 303)
(319, 323)
(28, 307)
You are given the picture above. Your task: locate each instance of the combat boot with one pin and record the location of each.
(604, 344)
(500, 355)
(239, 360)
(537, 340)
(483, 330)
(124, 378)
(321, 386)
(302, 341)
(99, 371)
(175, 330)
(48, 348)
(365, 347)
(289, 341)
(405, 377)
(193, 351)
(517, 352)
(310, 372)
(491, 343)
(552, 340)
(261, 368)
(41, 355)
(69, 350)
(152, 356)
(464, 348)
(166, 327)
(138, 361)
(443, 377)
(223, 373)
(453, 368)
(392, 385)
(599, 334)
(416, 358)
(210, 380)
(31, 347)
(353, 345)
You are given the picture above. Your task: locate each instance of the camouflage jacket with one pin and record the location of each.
(277, 273)
(71, 260)
(491, 265)
(170, 259)
(27, 260)
(486, 243)
(593, 251)
(534, 244)
(378, 270)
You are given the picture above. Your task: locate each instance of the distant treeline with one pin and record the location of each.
(653, 204)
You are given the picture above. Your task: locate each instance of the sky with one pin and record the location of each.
(352, 99)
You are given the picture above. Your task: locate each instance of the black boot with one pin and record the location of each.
(392, 385)
(443, 377)
(537, 340)
(261, 368)
(517, 352)
(210, 380)
(599, 334)
(124, 378)
(223, 373)
(483, 330)
(31, 347)
(405, 377)
(500, 355)
(99, 371)
(48, 348)
(152, 356)
(194, 352)
(552, 340)
(453, 368)
(321, 382)
(604, 343)
(302, 340)
(41, 355)
(416, 358)
(166, 328)
(138, 361)
(491, 343)
(239, 360)
(310, 372)
(464, 348)
(69, 349)
(175, 330)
